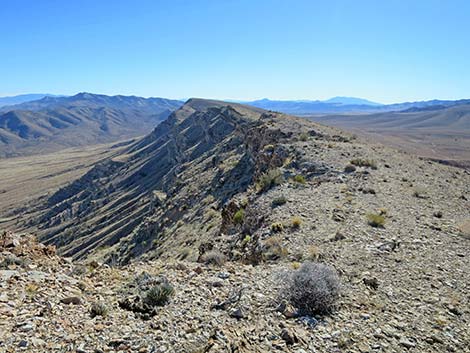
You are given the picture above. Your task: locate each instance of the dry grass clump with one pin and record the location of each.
(269, 179)
(376, 220)
(277, 227)
(313, 289)
(213, 257)
(314, 253)
(296, 222)
(369, 163)
(273, 248)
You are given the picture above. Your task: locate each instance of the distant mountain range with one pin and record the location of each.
(53, 123)
(338, 105)
(23, 98)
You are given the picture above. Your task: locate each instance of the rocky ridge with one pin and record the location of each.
(273, 192)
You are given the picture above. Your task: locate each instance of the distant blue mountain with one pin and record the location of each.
(344, 105)
(351, 101)
(23, 98)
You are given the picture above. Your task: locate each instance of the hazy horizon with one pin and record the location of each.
(384, 52)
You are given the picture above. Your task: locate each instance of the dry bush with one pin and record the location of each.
(277, 227)
(273, 248)
(369, 163)
(296, 222)
(312, 289)
(213, 257)
(269, 179)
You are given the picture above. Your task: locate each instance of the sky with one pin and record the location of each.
(385, 51)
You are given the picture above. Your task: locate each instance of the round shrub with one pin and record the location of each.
(312, 289)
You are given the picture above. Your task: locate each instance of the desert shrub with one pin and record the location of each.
(213, 257)
(349, 168)
(312, 289)
(159, 295)
(359, 162)
(239, 216)
(295, 265)
(277, 227)
(296, 222)
(299, 179)
(98, 309)
(269, 179)
(313, 253)
(376, 220)
(246, 240)
(273, 248)
(303, 137)
(279, 201)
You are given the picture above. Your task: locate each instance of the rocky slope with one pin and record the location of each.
(267, 192)
(54, 123)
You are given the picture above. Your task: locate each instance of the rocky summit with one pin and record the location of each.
(233, 229)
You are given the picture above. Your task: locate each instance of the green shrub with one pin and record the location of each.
(269, 179)
(299, 179)
(303, 136)
(279, 201)
(159, 295)
(239, 216)
(359, 162)
(376, 220)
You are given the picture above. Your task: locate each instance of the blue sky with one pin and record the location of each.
(386, 51)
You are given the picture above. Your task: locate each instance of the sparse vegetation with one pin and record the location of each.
(214, 257)
(296, 222)
(279, 201)
(369, 163)
(273, 248)
(277, 227)
(239, 216)
(159, 295)
(312, 289)
(303, 136)
(376, 220)
(269, 179)
(313, 253)
(98, 309)
(299, 179)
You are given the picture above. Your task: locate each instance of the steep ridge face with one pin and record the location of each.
(197, 159)
(53, 123)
